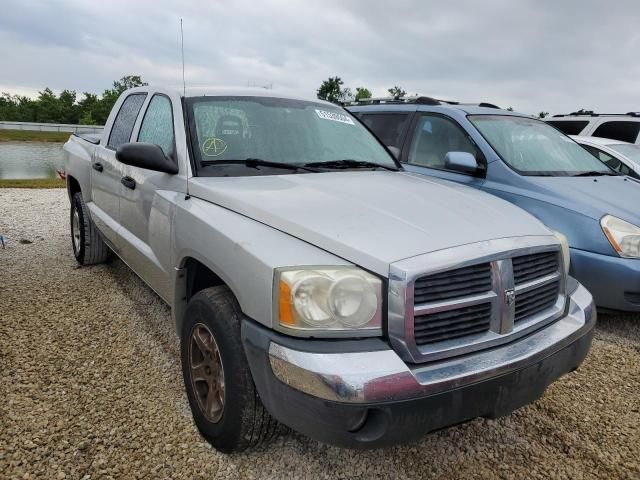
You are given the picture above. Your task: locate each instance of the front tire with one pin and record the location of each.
(224, 402)
(88, 246)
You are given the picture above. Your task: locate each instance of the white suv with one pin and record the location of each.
(623, 127)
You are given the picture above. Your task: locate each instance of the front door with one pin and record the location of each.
(106, 171)
(146, 203)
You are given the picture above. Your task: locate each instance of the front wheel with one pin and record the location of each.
(224, 402)
(88, 246)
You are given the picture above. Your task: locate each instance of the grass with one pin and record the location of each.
(33, 183)
(29, 136)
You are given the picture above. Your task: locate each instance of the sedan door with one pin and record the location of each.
(147, 199)
(106, 171)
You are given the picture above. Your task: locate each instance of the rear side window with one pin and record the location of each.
(618, 130)
(123, 124)
(388, 127)
(569, 127)
(157, 125)
(435, 136)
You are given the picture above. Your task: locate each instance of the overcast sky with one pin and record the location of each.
(534, 55)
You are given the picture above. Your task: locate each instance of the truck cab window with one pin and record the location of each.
(435, 136)
(157, 125)
(123, 124)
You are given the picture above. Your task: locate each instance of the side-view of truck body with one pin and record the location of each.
(315, 283)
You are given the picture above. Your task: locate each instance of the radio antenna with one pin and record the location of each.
(184, 85)
(184, 95)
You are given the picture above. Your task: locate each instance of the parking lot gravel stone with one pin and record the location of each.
(90, 387)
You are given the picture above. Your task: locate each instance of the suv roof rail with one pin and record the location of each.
(418, 100)
(421, 100)
(591, 113)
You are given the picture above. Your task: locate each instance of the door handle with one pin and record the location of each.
(98, 166)
(128, 182)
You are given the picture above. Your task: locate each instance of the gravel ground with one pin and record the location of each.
(91, 388)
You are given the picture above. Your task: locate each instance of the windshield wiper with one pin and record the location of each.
(594, 173)
(349, 163)
(258, 162)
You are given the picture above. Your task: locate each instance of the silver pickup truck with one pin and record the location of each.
(315, 283)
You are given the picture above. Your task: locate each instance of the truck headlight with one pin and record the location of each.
(328, 301)
(566, 253)
(623, 236)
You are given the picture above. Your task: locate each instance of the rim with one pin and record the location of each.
(75, 230)
(207, 373)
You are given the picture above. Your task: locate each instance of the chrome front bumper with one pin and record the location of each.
(381, 376)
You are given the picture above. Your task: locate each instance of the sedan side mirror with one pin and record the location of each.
(146, 155)
(461, 162)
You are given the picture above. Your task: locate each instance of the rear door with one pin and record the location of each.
(431, 137)
(106, 171)
(146, 199)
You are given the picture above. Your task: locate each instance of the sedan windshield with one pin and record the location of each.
(632, 152)
(532, 147)
(275, 135)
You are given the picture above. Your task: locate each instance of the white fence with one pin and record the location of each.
(50, 127)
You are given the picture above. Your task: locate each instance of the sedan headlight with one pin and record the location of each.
(566, 253)
(331, 301)
(623, 236)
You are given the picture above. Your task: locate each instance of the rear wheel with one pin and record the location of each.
(88, 246)
(224, 402)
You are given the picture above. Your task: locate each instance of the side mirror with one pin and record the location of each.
(146, 155)
(395, 151)
(461, 161)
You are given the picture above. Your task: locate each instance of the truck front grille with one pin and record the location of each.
(450, 324)
(437, 313)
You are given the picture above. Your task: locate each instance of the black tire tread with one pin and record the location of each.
(93, 250)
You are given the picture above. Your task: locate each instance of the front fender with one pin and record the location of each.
(240, 251)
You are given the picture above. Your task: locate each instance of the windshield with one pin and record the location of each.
(277, 130)
(632, 152)
(534, 148)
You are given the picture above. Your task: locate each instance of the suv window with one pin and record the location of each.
(618, 130)
(123, 124)
(434, 136)
(157, 125)
(388, 127)
(569, 127)
(608, 160)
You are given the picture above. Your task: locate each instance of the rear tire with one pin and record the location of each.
(88, 246)
(210, 342)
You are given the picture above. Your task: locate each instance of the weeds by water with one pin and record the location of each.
(28, 136)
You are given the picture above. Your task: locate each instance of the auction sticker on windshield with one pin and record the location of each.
(336, 117)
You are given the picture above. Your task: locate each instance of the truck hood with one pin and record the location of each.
(370, 218)
(594, 196)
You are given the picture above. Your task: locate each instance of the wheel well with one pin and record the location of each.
(73, 186)
(199, 277)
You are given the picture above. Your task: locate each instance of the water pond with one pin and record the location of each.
(28, 160)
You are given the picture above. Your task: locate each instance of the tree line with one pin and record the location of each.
(332, 90)
(90, 109)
